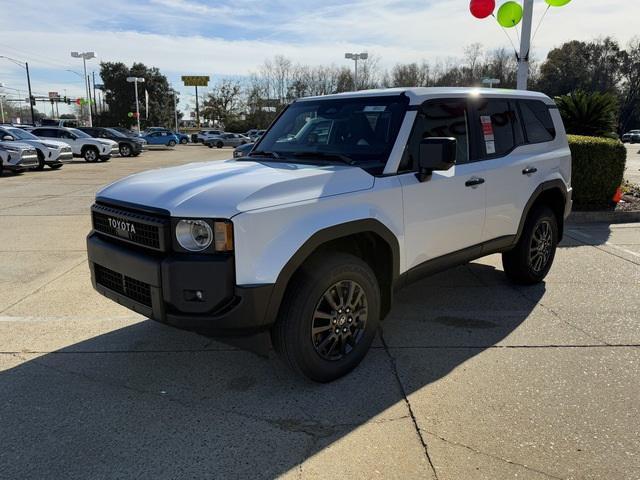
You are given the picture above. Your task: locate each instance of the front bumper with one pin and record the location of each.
(162, 287)
(25, 161)
(64, 157)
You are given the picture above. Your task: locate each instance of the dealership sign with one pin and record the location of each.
(195, 81)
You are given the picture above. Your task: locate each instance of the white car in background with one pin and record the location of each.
(16, 156)
(52, 153)
(204, 135)
(82, 144)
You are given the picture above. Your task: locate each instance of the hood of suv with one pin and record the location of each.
(224, 189)
(15, 146)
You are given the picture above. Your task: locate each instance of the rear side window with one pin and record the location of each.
(500, 131)
(537, 122)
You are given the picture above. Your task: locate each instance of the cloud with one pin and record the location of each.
(234, 37)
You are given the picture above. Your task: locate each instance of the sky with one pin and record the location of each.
(234, 37)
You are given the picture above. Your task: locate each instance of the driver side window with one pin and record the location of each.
(440, 118)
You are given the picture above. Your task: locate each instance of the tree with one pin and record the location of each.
(630, 90)
(224, 103)
(120, 96)
(591, 114)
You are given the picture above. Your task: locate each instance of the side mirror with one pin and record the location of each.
(436, 154)
(7, 138)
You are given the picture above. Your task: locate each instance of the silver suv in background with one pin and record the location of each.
(82, 144)
(632, 136)
(51, 153)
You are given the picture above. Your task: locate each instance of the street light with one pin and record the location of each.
(25, 65)
(2, 95)
(175, 107)
(355, 57)
(135, 81)
(491, 81)
(86, 56)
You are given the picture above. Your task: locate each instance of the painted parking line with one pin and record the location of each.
(590, 238)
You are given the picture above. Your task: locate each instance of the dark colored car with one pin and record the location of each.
(126, 131)
(128, 146)
(243, 150)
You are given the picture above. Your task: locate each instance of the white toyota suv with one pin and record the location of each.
(50, 152)
(17, 157)
(82, 144)
(345, 199)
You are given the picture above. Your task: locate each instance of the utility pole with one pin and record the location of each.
(31, 101)
(197, 109)
(525, 45)
(95, 105)
(175, 109)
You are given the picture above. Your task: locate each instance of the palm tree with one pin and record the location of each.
(591, 114)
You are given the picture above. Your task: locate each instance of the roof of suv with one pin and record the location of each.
(417, 95)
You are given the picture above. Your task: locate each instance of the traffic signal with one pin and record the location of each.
(33, 100)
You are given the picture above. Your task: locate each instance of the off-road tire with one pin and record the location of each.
(522, 265)
(292, 333)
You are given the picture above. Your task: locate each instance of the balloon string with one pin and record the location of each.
(508, 36)
(540, 23)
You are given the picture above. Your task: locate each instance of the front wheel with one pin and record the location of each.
(172, 143)
(91, 155)
(183, 141)
(219, 145)
(329, 317)
(531, 259)
(41, 162)
(125, 150)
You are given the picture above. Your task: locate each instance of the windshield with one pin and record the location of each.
(79, 133)
(21, 134)
(360, 130)
(115, 133)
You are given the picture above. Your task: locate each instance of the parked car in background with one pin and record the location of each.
(183, 138)
(203, 135)
(51, 153)
(255, 135)
(55, 122)
(127, 146)
(243, 150)
(82, 144)
(166, 138)
(227, 140)
(632, 136)
(17, 157)
(126, 131)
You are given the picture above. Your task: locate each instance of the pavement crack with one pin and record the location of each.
(496, 457)
(394, 369)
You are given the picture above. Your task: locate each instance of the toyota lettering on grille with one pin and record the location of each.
(123, 228)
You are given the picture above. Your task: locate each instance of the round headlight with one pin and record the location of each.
(194, 235)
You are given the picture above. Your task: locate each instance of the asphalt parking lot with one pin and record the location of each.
(471, 378)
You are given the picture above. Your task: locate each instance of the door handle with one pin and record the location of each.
(529, 170)
(474, 182)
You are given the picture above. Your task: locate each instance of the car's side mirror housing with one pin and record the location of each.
(6, 138)
(436, 154)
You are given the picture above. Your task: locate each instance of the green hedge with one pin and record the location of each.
(597, 170)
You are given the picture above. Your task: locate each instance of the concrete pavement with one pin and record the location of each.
(471, 377)
(633, 163)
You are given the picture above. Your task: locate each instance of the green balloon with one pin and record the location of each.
(557, 3)
(510, 14)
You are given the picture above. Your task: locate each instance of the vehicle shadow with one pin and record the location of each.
(154, 402)
(580, 234)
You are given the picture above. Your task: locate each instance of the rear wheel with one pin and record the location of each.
(183, 141)
(530, 261)
(91, 155)
(219, 145)
(329, 317)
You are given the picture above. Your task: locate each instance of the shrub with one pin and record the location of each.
(593, 114)
(597, 170)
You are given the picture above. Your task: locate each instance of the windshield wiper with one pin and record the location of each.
(262, 153)
(325, 156)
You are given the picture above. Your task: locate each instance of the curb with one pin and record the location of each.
(604, 217)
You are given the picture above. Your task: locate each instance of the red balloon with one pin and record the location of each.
(482, 8)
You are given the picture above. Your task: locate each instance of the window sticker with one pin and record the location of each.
(375, 108)
(487, 132)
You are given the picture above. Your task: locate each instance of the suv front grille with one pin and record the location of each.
(127, 286)
(137, 228)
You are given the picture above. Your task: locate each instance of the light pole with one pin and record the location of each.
(175, 108)
(525, 45)
(25, 65)
(86, 56)
(355, 57)
(491, 81)
(135, 81)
